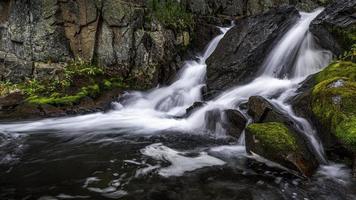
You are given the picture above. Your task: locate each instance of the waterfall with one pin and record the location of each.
(297, 52)
(293, 58)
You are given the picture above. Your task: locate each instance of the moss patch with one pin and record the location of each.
(79, 79)
(274, 136)
(333, 101)
(338, 69)
(171, 14)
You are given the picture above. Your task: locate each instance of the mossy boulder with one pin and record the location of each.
(333, 102)
(278, 143)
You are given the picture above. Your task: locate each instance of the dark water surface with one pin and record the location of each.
(54, 165)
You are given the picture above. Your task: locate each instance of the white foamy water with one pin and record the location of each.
(293, 58)
(179, 163)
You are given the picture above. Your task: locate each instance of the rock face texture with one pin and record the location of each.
(242, 50)
(116, 34)
(246, 7)
(113, 33)
(335, 27)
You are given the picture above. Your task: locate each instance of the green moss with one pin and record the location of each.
(346, 132)
(333, 101)
(338, 69)
(274, 136)
(58, 100)
(171, 14)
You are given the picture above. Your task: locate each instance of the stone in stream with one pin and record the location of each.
(276, 142)
(274, 137)
(230, 121)
(196, 105)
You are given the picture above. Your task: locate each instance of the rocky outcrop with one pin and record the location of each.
(237, 58)
(335, 27)
(246, 7)
(114, 34)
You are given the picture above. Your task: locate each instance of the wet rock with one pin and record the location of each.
(237, 58)
(263, 111)
(276, 142)
(335, 27)
(229, 122)
(204, 33)
(193, 108)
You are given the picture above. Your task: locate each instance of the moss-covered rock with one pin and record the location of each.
(337, 69)
(278, 143)
(333, 101)
(275, 137)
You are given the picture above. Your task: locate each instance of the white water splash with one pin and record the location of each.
(179, 163)
(296, 51)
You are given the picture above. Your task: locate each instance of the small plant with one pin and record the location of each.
(171, 14)
(7, 88)
(81, 68)
(349, 55)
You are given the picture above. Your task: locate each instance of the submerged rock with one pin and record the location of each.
(335, 27)
(276, 142)
(230, 122)
(242, 50)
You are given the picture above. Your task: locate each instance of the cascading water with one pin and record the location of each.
(141, 149)
(293, 58)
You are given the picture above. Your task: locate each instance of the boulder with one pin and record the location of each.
(327, 100)
(237, 58)
(333, 102)
(276, 142)
(262, 110)
(230, 122)
(335, 27)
